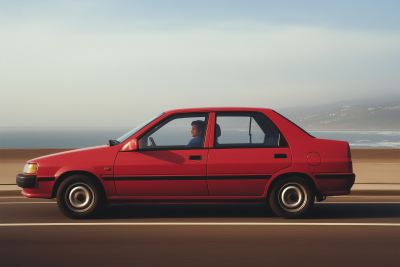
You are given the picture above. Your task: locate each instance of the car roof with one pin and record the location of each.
(208, 109)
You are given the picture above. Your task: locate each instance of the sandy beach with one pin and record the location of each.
(371, 166)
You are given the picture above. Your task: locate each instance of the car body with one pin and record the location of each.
(248, 155)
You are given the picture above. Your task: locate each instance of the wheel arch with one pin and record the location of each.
(290, 174)
(67, 174)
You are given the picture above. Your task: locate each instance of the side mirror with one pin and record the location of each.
(131, 145)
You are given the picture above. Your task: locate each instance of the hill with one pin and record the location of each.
(376, 115)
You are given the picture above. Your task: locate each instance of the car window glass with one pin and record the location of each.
(257, 133)
(176, 133)
(135, 130)
(245, 129)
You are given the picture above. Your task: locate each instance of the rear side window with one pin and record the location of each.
(242, 129)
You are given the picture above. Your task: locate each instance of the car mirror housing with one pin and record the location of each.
(131, 145)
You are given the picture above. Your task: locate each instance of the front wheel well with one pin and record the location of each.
(65, 175)
(285, 175)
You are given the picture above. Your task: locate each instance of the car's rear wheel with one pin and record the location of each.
(79, 196)
(292, 197)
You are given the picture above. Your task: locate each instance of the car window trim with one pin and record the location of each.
(238, 147)
(170, 148)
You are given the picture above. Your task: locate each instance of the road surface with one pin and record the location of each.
(341, 231)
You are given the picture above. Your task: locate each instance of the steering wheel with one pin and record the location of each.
(152, 143)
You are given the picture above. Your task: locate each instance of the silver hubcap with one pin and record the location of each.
(79, 197)
(292, 197)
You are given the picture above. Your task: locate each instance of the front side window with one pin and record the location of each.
(137, 129)
(242, 129)
(185, 131)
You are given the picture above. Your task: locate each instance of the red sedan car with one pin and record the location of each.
(200, 155)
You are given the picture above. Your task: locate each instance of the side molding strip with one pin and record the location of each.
(337, 176)
(47, 179)
(213, 177)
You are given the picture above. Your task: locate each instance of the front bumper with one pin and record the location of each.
(26, 180)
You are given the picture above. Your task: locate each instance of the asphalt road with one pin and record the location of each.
(342, 231)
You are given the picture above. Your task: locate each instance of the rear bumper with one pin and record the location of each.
(26, 180)
(330, 184)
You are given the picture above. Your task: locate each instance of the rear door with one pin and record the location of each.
(247, 150)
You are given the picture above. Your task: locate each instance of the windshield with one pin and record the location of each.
(137, 129)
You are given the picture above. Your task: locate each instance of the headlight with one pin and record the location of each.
(30, 168)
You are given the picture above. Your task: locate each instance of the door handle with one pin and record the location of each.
(195, 157)
(280, 156)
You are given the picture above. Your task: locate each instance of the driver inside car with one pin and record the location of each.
(198, 129)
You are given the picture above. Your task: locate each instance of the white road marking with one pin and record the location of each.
(358, 202)
(200, 224)
(3, 203)
(365, 202)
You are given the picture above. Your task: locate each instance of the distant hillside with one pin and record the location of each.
(383, 116)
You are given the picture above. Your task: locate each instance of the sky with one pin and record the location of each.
(119, 63)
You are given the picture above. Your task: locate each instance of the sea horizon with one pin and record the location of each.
(79, 137)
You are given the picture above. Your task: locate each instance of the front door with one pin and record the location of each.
(247, 150)
(171, 160)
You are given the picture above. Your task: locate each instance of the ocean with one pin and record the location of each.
(85, 137)
(363, 139)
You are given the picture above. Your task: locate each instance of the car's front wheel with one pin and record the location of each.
(292, 197)
(79, 196)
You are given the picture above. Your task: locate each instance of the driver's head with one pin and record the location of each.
(198, 128)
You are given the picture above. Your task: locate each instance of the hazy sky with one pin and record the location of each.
(118, 63)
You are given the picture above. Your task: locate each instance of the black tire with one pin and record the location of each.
(292, 197)
(80, 196)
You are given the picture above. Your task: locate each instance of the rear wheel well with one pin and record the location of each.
(65, 175)
(285, 175)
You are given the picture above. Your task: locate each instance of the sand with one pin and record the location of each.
(377, 167)
(371, 166)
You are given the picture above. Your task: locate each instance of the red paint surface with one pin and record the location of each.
(165, 163)
(313, 159)
(243, 161)
(306, 156)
